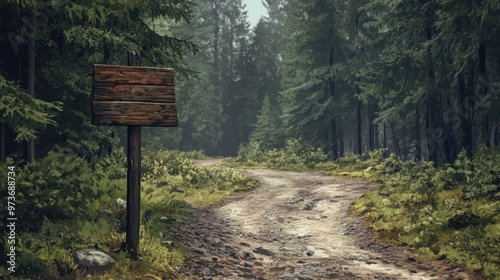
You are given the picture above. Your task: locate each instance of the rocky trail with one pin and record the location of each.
(295, 226)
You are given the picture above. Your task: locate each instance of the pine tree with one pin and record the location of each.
(268, 127)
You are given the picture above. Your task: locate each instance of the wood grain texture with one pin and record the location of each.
(133, 187)
(141, 93)
(156, 121)
(153, 121)
(133, 75)
(124, 108)
(134, 113)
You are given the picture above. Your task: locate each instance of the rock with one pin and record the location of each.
(384, 193)
(249, 256)
(411, 259)
(179, 190)
(198, 250)
(263, 251)
(286, 276)
(94, 260)
(248, 264)
(369, 169)
(310, 253)
(167, 219)
(309, 206)
(107, 211)
(371, 262)
(169, 244)
(122, 203)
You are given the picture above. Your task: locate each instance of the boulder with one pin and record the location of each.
(179, 190)
(93, 260)
(122, 203)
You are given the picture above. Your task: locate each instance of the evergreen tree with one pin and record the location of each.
(268, 127)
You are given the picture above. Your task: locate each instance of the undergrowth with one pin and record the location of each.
(64, 203)
(451, 211)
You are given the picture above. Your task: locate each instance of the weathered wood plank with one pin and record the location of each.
(158, 121)
(133, 177)
(123, 108)
(133, 75)
(123, 92)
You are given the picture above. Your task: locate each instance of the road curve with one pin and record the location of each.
(295, 226)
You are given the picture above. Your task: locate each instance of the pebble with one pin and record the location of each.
(249, 255)
(310, 205)
(198, 250)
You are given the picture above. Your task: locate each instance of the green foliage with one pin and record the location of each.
(295, 155)
(451, 211)
(267, 129)
(71, 204)
(24, 113)
(250, 154)
(56, 187)
(178, 169)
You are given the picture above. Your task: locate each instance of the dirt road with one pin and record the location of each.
(295, 226)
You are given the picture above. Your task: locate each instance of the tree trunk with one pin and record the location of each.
(470, 104)
(418, 139)
(394, 140)
(333, 122)
(484, 92)
(371, 128)
(463, 115)
(449, 144)
(359, 142)
(341, 139)
(385, 140)
(31, 90)
(431, 127)
(216, 36)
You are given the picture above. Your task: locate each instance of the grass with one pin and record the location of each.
(46, 252)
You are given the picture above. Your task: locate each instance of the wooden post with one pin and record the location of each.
(133, 96)
(133, 176)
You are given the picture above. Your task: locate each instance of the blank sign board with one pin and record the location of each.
(133, 96)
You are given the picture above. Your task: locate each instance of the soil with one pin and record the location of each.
(296, 226)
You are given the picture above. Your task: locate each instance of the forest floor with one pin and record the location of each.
(296, 226)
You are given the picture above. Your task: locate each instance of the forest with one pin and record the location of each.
(409, 88)
(420, 79)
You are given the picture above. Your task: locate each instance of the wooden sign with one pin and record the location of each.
(131, 95)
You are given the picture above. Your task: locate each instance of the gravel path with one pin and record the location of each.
(295, 226)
